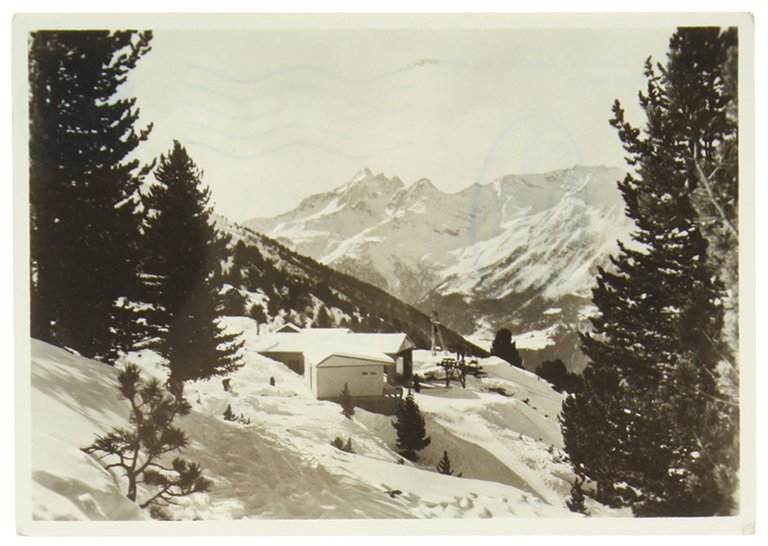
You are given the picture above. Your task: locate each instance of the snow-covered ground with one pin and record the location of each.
(533, 340)
(536, 339)
(501, 433)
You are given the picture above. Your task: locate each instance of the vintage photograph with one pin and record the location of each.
(383, 267)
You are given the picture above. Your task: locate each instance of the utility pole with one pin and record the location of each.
(437, 334)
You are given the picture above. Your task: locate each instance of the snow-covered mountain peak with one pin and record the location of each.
(542, 234)
(414, 198)
(365, 183)
(423, 185)
(361, 175)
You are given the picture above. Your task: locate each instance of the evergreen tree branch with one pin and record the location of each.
(705, 181)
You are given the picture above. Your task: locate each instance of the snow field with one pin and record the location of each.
(72, 399)
(282, 465)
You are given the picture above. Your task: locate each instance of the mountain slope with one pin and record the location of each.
(486, 239)
(282, 465)
(520, 252)
(276, 285)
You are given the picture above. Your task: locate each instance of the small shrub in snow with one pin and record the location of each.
(271, 381)
(339, 444)
(230, 415)
(158, 513)
(444, 466)
(576, 502)
(500, 390)
(139, 450)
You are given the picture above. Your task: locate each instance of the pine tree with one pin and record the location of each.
(245, 270)
(650, 422)
(555, 372)
(411, 433)
(139, 450)
(716, 201)
(323, 319)
(347, 405)
(83, 188)
(592, 424)
(183, 268)
(505, 348)
(444, 466)
(256, 312)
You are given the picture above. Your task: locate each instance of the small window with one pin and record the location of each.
(365, 373)
(373, 373)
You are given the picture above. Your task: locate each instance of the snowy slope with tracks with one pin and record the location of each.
(282, 465)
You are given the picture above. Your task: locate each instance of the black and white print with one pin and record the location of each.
(385, 271)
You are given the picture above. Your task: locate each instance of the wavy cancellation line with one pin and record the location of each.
(313, 69)
(295, 89)
(295, 144)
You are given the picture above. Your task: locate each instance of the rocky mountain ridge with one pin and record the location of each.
(503, 253)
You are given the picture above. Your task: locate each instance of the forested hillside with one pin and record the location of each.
(275, 284)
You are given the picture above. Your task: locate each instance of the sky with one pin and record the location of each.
(272, 116)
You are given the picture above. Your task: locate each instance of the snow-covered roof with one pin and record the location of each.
(324, 331)
(386, 343)
(335, 338)
(316, 356)
(283, 342)
(288, 327)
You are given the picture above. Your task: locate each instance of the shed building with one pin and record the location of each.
(327, 370)
(330, 357)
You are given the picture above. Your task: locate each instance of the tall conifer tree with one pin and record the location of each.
(651, 422)
(83, 186)
(183, 270)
